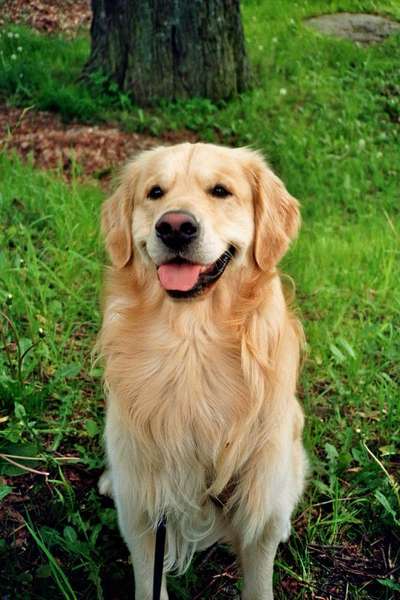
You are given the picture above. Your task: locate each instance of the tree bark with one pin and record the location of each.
(170, 49)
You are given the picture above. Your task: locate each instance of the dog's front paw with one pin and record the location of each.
(105, 485)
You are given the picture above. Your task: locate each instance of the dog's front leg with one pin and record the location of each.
(257, 561)
(141, 547)
(143, 564)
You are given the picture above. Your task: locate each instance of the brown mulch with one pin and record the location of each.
(48, 16)
(73, 149)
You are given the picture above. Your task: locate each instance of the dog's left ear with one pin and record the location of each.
(276, 214)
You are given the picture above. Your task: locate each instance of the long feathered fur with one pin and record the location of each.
(201, 395)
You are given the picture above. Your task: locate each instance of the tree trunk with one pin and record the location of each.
(169, 49)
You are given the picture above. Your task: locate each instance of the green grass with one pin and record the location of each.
(326, 113)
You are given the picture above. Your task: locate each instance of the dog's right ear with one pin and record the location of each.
(116, 217)
(116, 227)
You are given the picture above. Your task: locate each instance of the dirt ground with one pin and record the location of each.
(49, 16)
(74, 149)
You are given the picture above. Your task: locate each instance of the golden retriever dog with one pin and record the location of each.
(201, 358)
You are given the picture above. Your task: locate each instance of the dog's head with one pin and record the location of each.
(190, 211)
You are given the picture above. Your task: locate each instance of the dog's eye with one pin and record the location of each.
(155, 193)
(219, 191)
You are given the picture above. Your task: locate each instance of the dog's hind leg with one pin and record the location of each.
(105, 484)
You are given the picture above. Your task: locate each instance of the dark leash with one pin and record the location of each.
(159, 558)
(160, 548)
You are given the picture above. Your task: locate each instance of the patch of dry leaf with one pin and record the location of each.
(86, 150)
(48, 16)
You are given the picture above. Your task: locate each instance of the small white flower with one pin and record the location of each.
(283, 91)
(13, 57)
(10, 34)
(19, 48)
(16, 35)
(358, 430)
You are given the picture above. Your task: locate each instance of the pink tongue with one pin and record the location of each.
(179, 277)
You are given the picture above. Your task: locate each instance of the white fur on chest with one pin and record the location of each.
(177, 397)
(188, 387)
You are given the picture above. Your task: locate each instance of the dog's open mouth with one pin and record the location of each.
(183, 279)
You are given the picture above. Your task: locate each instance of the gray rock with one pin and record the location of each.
(359, 27)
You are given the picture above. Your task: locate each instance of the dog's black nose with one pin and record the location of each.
(177, 229)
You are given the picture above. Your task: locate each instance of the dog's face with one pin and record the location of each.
(189, 211)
